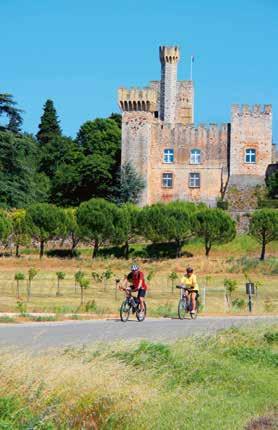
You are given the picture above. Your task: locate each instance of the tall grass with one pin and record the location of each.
(218, 382)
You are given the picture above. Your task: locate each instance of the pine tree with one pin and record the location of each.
(7, 107)
(49, 127)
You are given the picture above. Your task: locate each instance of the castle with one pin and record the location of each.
(180, 160)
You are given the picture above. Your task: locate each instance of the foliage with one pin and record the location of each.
(46, 221)
(20, 229)
(171, 222)
(60, 277)
(5, 226)
(49, 127)
(129, 185)
(19, 276)
(214, 226)
(8, 108)
(72, 229)
(272, 184)
(20, 182)
(264, 227)
(230, 286)
(95, 219)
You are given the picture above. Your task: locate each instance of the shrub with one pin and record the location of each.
(91, 306)
(238, 303)
(63, 253)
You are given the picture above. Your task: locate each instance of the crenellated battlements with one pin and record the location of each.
(245, 109)
(137, 99)
(169, 54)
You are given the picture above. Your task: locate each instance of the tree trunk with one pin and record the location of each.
(58, 288)
(207, 247)
(179, 245)
(263, 249)
(96, 247)
(126, 250)
(17, 250)
(41, 248)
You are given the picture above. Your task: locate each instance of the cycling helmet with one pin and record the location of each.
(134, 267)
(189, 270)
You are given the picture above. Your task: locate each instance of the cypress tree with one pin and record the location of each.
(49, 127)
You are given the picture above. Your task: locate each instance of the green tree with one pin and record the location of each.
(60, 277)
(129, 185)
(5, 226)
(95, 220)
(18, 277)
(72, 229)
(20, 229)
(272, 184)
(8, 109)
(117, 118)
(131, 225)
(83, 282)
(32, 273)
(20, 183)
(100, 142)
(46, 221)
(214, 226)
(49, 127)
(167, 222)
(264, 227)
(230, 286)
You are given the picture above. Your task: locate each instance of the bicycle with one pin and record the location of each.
(131, 304)
(185, 304)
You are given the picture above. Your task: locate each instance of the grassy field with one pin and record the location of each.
(226, 381)
(237, 260)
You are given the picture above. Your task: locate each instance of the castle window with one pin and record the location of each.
(168, 156)
(250, 155)
(195, 156)
(194, 180)
(167, 180)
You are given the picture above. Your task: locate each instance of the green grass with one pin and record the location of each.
(6, 319)
(218, 382)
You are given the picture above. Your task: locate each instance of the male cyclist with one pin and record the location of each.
(137, 281)
(189, 281)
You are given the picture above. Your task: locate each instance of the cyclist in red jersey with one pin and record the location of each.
(137, 280)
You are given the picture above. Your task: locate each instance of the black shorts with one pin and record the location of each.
(141, 293)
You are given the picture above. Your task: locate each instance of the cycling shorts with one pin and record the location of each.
(141, 293)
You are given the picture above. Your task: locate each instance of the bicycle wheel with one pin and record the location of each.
(182, 309)
(125, 311)
(141, 315)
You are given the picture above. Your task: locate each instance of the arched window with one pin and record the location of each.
(195, 156)
(250, 155)
(168, 156)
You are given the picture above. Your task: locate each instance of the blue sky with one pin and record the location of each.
(79, 52)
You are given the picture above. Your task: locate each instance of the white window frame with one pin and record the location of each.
(249, 154)
(166, 177)
(168, 156)
(195, 156)
(194, 180)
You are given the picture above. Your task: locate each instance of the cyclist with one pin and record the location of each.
(189, 281)
(138, 284)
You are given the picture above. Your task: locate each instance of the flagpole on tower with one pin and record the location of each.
(191, 67)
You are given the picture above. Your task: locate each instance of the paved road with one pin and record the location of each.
(60, 334)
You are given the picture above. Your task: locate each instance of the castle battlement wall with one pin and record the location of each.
(245, 109)
(137, 99)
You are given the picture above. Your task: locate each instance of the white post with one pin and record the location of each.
(204, 298)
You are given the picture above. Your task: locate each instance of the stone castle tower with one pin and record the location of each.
(180, 160)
